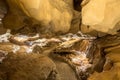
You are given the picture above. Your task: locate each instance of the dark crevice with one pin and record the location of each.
(77, 5)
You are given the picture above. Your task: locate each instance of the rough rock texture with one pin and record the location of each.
(56, 15)
(49, 64)
(109, 68)
(90, 31)
(98, 17)
(102, 15)
(3, 8)
(27, 67)
(14, 19)
(3, 11)
(65, 71)
(76, 21)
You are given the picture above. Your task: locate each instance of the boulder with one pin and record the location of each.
(55, 15)
(24, 66)
(102, 15)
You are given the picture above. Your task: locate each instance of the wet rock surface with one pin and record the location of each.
(68, 59)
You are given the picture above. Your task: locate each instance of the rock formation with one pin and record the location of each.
(49, 55)
(27, 67)
(55, 15)
(102, 15)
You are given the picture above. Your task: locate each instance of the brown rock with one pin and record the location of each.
(27, 67)
(14, 18)
(110, 48)
(76, 22)
(3, 8)
(90, 31)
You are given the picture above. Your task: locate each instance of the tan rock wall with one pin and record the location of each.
(57, 12)
(102, 15)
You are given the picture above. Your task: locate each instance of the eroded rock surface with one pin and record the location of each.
(102, 15)
(24, 66)
(55, 15)
(107, 60)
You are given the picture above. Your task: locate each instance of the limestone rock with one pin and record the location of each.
(106, 75)
(55, 15)
(111, 68)
(84, 2)
(14, 19)
(102, 15)
(27, 67)
(90, 31)
(76, 21)
(65, 71)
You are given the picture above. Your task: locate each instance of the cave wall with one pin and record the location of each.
(59, 15)
(55, 15)
(64, 15)
(102, 15)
